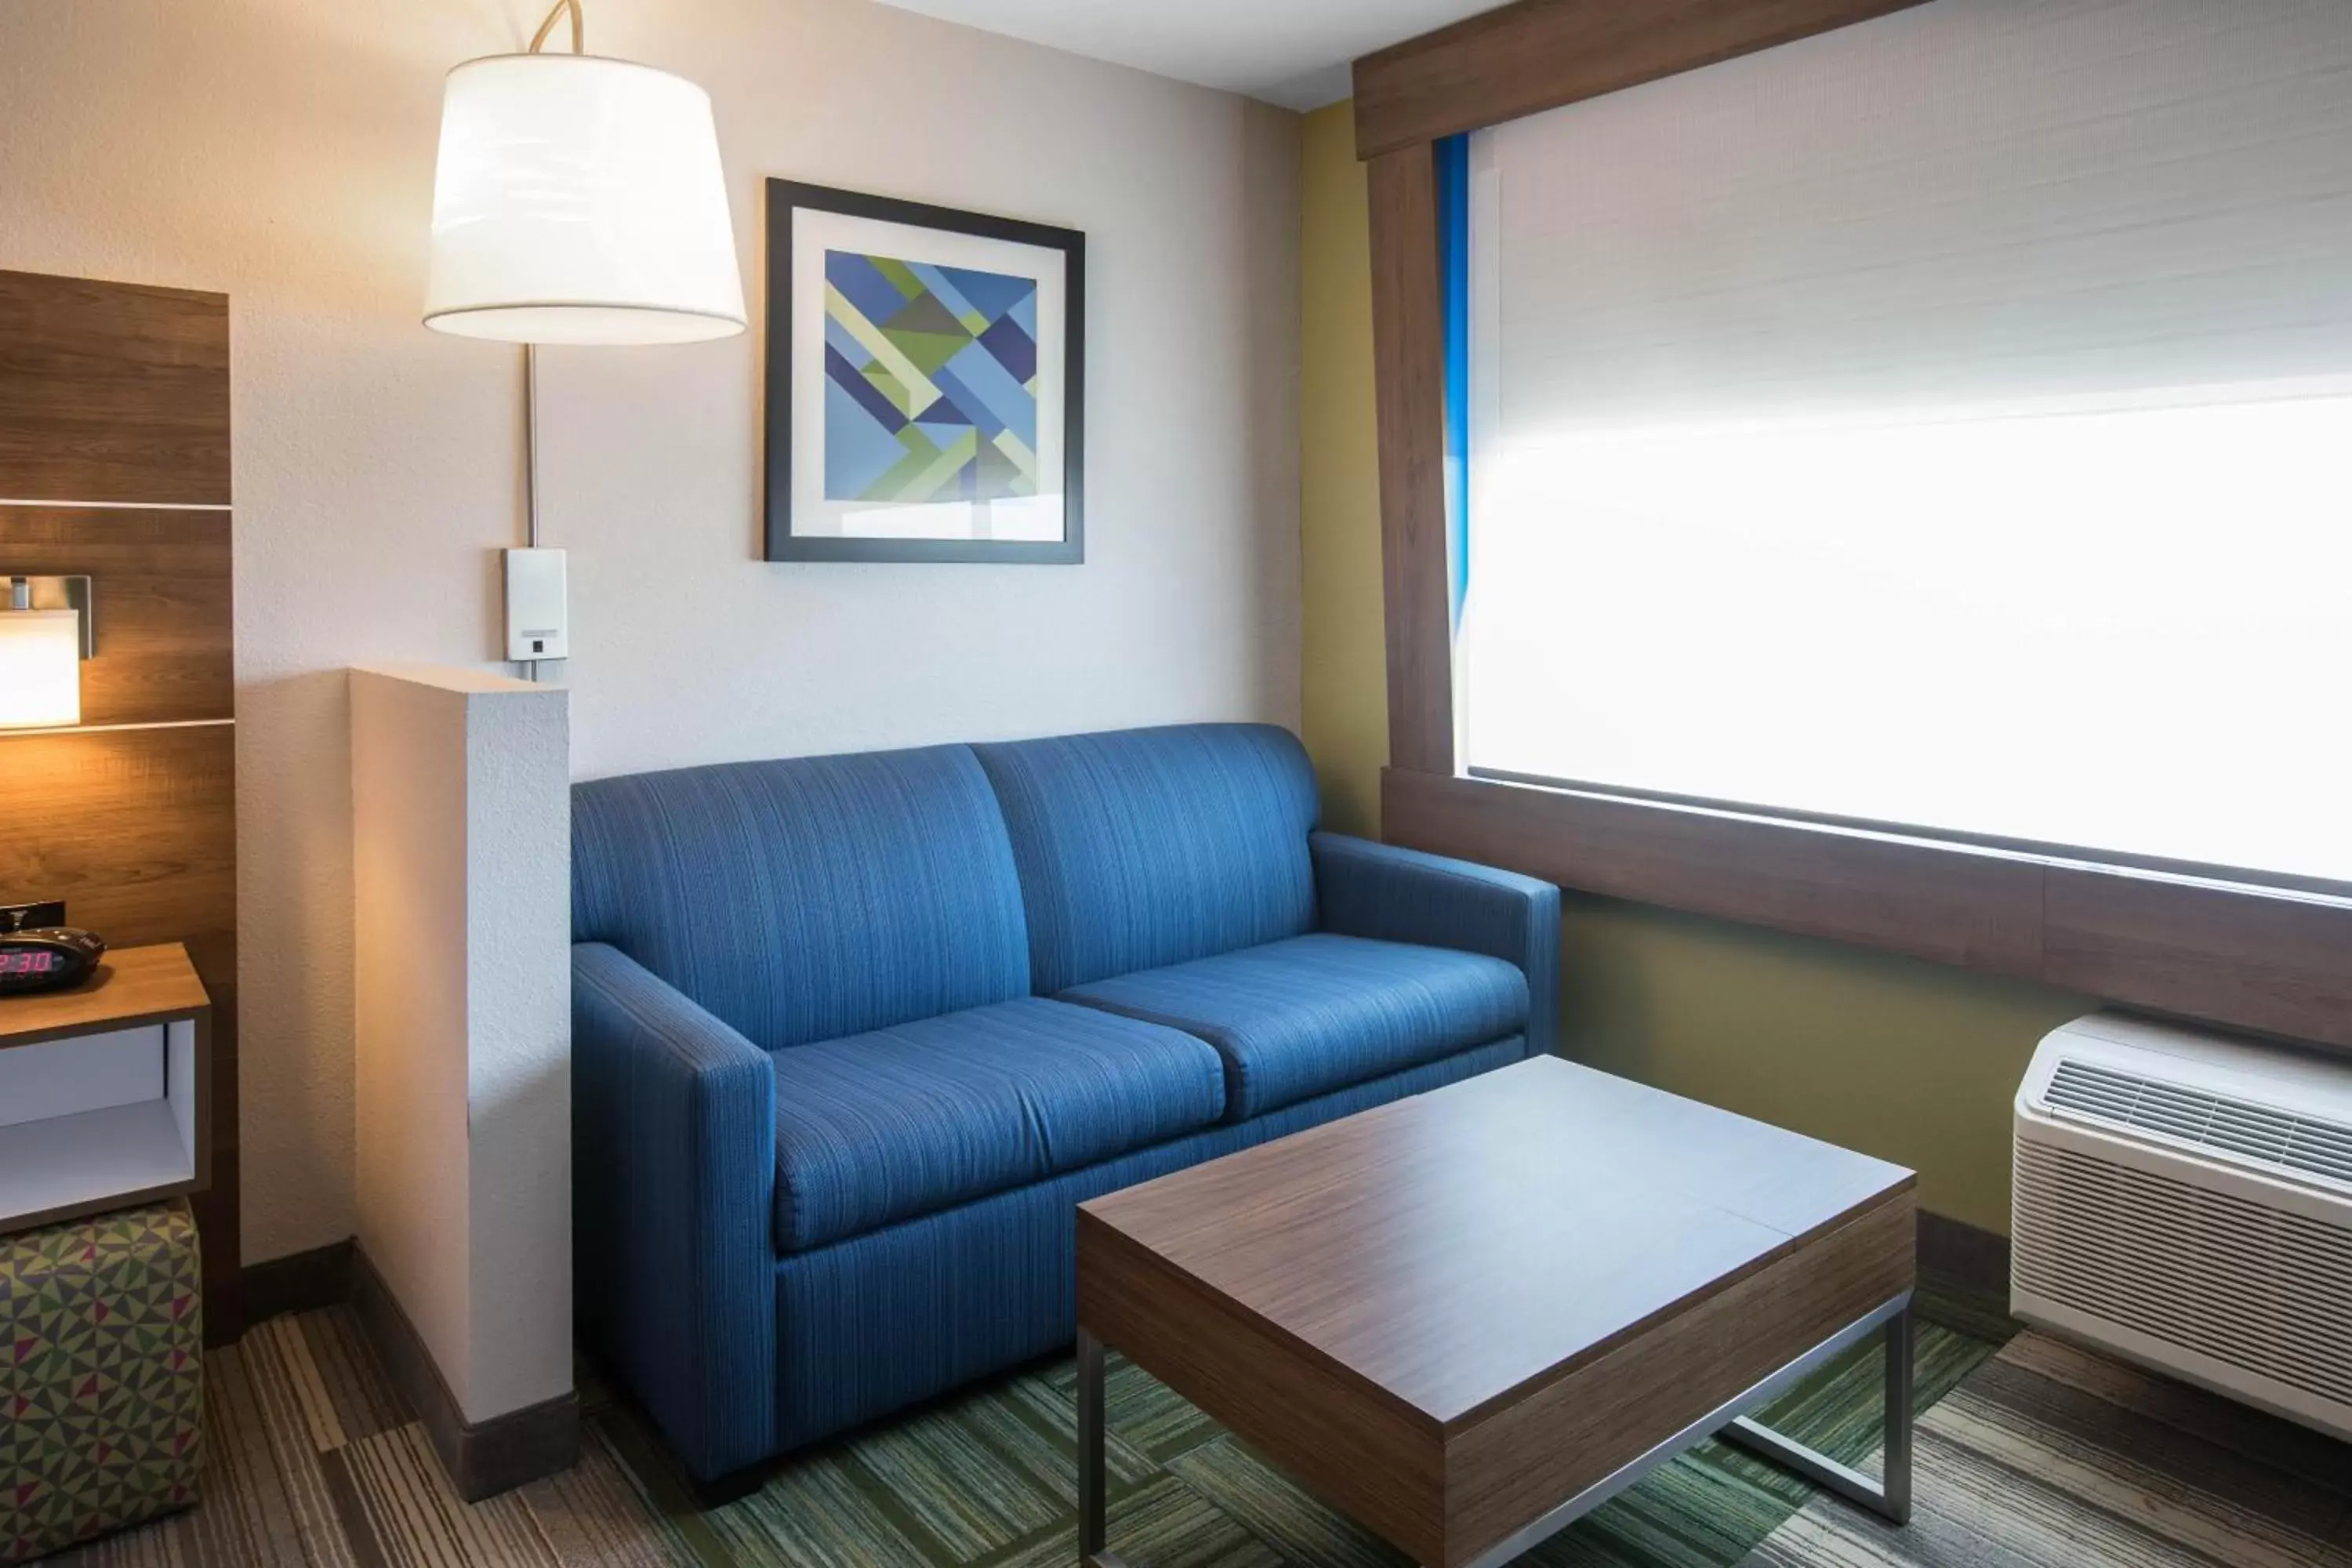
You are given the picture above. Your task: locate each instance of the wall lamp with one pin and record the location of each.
(577, 200)
(45, 634)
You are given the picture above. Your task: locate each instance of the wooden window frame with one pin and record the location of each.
(2272, 959)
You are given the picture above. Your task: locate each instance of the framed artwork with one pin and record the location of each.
(925, 382)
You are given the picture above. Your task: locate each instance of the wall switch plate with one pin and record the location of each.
(539, 613)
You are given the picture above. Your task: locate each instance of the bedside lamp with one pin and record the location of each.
(577, 200)
(41, 652)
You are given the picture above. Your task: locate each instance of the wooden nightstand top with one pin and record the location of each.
(134, 985)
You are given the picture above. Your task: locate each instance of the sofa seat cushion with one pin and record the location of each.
(906, 1121)
(1304, 1016)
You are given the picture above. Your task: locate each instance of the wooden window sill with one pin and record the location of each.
(2273, 960)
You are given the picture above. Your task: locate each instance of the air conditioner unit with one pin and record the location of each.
(2185, 1200)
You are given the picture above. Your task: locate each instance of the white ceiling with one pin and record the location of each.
(1291, 52)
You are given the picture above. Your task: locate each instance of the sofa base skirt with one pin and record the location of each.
(883, 1320)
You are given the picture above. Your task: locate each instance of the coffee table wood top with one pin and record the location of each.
(1451, 1250)
(1459, 1316)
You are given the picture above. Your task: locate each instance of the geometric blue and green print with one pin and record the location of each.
(930, 391)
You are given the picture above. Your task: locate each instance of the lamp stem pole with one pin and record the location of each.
(531, 439)
(530, 462)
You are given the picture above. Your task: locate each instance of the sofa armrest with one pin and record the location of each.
(1402, 894)
(674, 1172)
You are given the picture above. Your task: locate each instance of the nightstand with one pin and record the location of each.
(105, 1090)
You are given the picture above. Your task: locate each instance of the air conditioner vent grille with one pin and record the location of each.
(2263, 1290)
(2262, 1136)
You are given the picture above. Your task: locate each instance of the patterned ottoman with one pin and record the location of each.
(101, 1375)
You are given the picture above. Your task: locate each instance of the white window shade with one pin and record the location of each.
(1945, 421)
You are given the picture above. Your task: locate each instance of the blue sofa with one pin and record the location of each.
(854, 1035)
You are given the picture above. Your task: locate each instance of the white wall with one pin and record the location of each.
(282, 151)
(461, 817)
(409, 867)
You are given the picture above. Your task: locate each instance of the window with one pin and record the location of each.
(1946, 422)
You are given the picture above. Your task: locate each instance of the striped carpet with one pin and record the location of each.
(2040, 1456)
(2050, 1455)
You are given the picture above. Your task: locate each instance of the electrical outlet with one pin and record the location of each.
(32, 917)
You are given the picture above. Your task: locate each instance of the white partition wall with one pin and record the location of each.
(460, 786)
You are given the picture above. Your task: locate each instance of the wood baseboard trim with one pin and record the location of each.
(298, 1282)
(482, 1459)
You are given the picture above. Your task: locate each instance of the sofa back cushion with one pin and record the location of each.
(809, 898)
(1142, 847)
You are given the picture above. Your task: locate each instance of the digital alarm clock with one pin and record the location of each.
(48, 959)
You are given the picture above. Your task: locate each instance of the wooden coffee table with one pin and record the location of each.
(1471, 1317)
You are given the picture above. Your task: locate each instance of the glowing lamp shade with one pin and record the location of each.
(40, 668)
(579, 200)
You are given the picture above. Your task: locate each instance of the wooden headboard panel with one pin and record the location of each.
(114, 462)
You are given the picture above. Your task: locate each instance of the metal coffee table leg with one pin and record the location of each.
(1890, 1496)
(1094, 1484)
(1894, 1319)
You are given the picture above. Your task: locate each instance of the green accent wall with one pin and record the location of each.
(1910, 1061)
(1344, 677)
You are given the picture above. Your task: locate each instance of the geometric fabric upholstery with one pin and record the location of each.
(101, 1375)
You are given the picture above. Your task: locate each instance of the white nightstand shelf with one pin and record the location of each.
(105, 1090)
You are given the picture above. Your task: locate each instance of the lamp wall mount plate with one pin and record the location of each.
(539, 616)
(19, 592)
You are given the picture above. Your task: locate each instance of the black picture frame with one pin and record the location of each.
(785, 196)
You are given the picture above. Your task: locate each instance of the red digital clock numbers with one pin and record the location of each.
(31, 961)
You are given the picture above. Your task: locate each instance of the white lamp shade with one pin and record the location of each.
(580, 200)
(40, 668)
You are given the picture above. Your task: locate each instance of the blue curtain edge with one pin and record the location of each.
(1452, 154)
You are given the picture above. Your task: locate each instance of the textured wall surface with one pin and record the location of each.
(461, 808)
(1902, 1059)
(518, 1035)
(412, 1176)
(282, 151)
